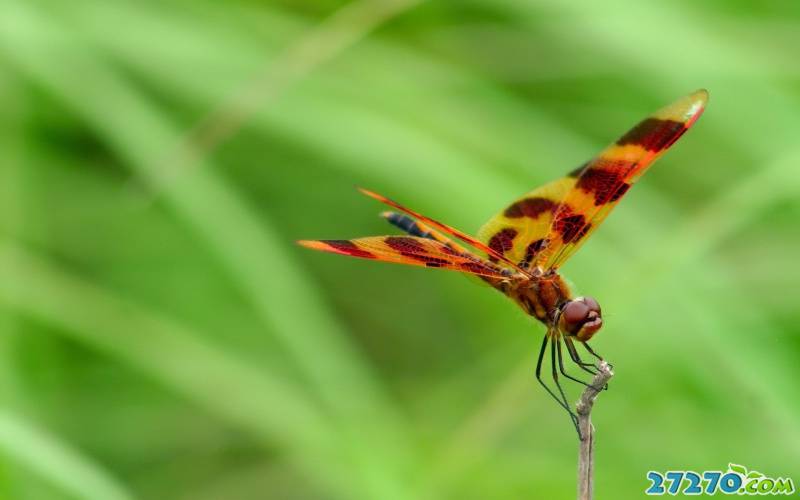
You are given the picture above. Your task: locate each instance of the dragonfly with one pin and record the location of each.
(520, 250)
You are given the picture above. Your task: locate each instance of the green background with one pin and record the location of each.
(161, 336)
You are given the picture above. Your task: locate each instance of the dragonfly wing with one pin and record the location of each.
(416, 228)
(599, 185)
(411, 251)
(473, 242)
(519, 231)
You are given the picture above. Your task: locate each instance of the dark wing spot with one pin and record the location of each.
(427, 259)
(403, 244)
(349, 248)
(653, 134)
(413, 249)
(430, 261)
(606, 184)
(577, 172)
(571, 227)
(583, 231)
(531, 251)
(620, 192)
(502, 241)
(448, 249)
(476, 267)
(530, 207)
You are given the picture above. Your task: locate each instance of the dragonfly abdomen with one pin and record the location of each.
(409, 225)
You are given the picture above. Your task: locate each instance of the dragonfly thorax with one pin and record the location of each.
(541, 296)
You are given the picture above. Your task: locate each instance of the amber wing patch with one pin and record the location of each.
(600, 183)
(520, 229)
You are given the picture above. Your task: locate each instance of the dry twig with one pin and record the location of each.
(584, 410)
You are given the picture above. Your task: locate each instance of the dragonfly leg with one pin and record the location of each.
(591, 351)
(553, 348)
(573, 354)
(560, 401)
(561, 366)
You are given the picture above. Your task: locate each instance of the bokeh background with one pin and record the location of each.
(161, 336)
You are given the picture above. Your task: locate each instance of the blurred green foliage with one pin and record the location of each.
(162, 337)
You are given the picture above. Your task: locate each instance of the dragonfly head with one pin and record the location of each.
(580, 318)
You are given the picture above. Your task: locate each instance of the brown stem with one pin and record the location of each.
(586, 452)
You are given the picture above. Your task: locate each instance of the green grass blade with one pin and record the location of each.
(56, 462)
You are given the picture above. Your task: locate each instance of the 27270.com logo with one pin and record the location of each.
(737, 480)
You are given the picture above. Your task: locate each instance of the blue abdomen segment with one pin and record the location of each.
(408, 225)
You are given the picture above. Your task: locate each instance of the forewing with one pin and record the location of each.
(411, 251)
(414, 227)
(519, 231)
(473, 242)
(599, 185)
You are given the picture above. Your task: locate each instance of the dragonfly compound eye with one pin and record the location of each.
(575, 314)
(593, 305)
(581, 318)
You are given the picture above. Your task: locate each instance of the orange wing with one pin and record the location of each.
(519, 231)
(412, 251)
(602, 182)
(546, 226)
(417, 228)
(494, 256)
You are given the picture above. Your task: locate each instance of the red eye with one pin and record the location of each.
(593, 305)
(575, 312)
